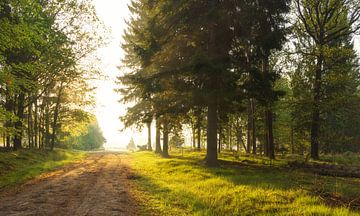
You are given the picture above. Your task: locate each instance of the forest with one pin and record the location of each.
(44, 74)
(225, 107)
(266, 77)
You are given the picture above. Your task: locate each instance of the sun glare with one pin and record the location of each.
(108, 110)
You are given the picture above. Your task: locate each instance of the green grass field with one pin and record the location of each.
(182, 185)
(17, 167)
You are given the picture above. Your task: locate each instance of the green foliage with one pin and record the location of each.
(45, 48)
(190, 59)
(323, 30)
(93, 139)
(339, 99)
(90, 138)
(177, 141)
(187, 56)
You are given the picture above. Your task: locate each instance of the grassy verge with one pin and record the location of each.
(182, 185)
(17, 167)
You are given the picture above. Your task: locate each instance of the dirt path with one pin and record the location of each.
(98, 185)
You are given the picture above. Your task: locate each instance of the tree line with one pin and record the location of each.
(266, 76)
(45, 50)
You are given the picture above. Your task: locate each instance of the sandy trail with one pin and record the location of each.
(98, 185)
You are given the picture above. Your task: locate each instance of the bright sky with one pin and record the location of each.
(113, 13)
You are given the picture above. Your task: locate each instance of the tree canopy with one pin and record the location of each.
(44, 50)
(247, 70)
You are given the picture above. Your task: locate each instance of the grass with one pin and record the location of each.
(20, 166)
(182, 185)
(345, 159)
(348, 159)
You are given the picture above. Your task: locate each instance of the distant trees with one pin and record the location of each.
(222, 66)
(84, 135)
(131, 146)
(43, 46)
(177, 141)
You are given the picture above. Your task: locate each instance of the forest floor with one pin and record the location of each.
(96, 185)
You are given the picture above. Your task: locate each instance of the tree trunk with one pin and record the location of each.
(8, 141)
(269, 138)
(237, 146)
(253, 130)
(219, 143)
(56, 116)
(271, 146)
(193, 137)
(239, 139)
(198, 125)
(249, 128)
(292, 138)
(41, 128)
(157, 138)
(266, 139)
(18, 123)
(230, 137)
(36, 124)
(165, 152)
(243, 144)
(315, 122)
(9, 107)
(211, 151)
(4, 139)
(46, 127)
(30, 135)
(149, 136)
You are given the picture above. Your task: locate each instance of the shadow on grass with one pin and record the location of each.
(233, 189)
(177, 201)
(249, 173)
(19, 166)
